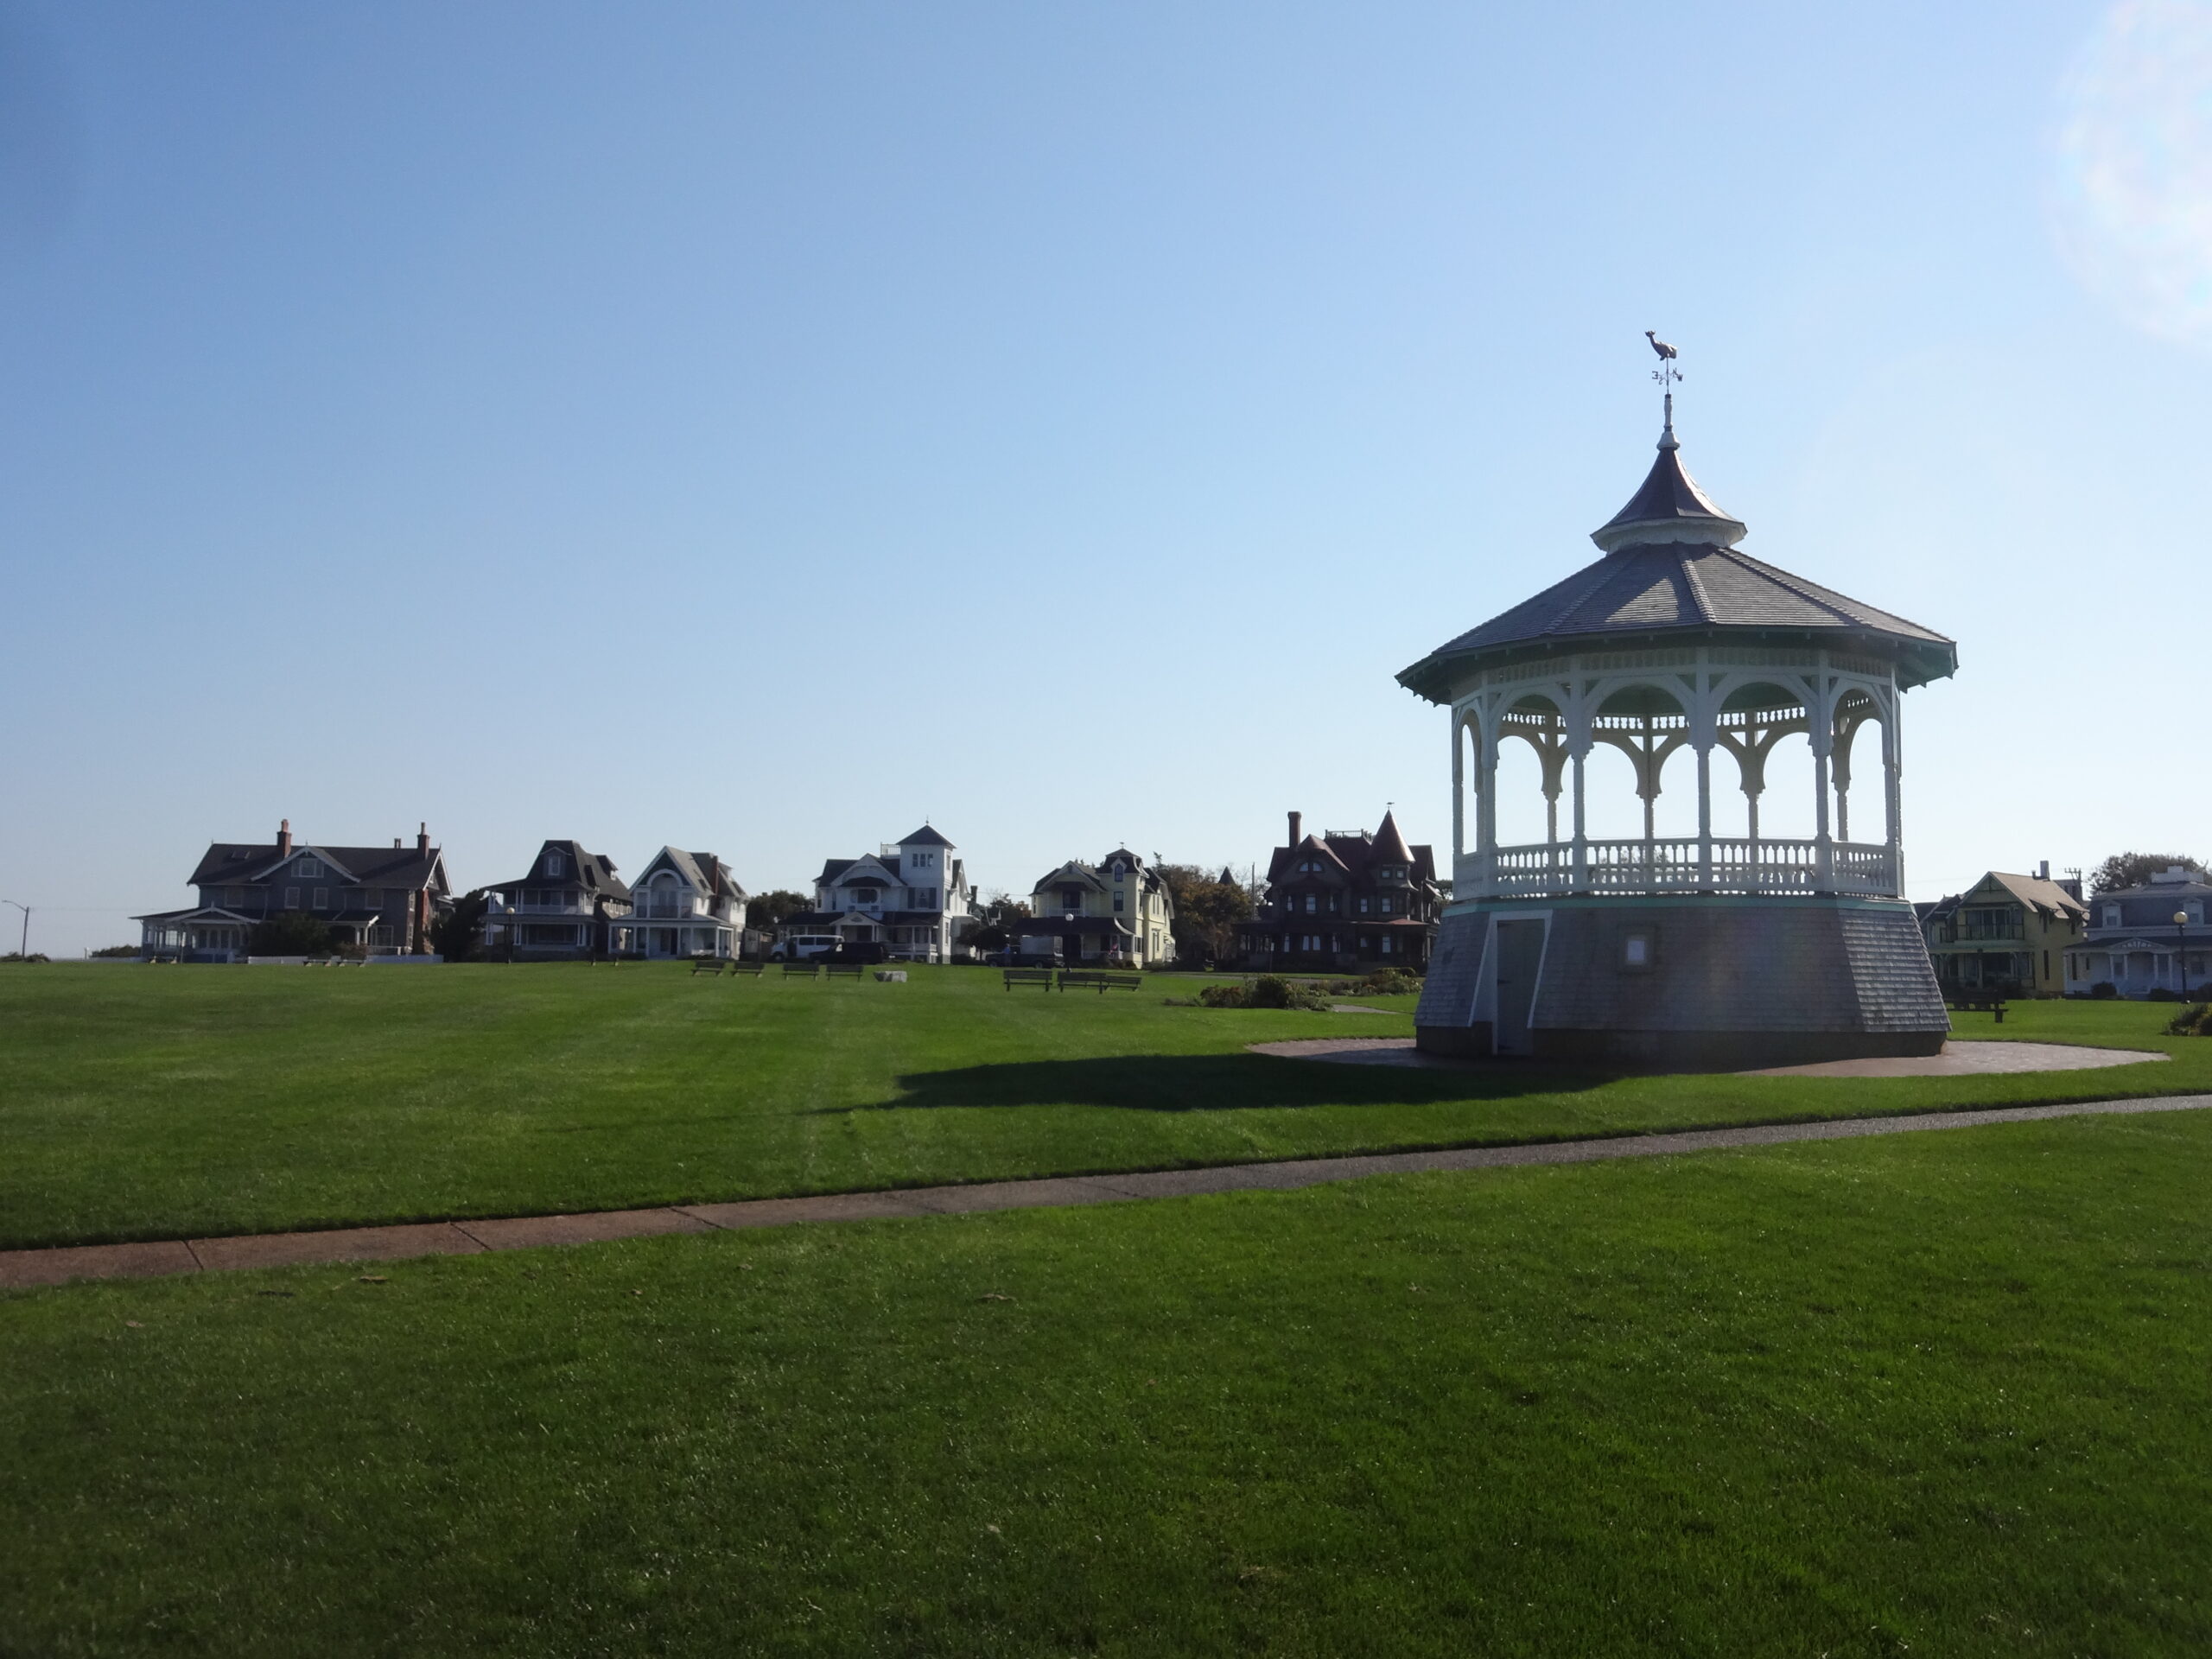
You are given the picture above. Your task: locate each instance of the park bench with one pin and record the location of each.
(708, 965)
(1104, 981)
(1970, 1001)
(754, 968)
(804, 969)
(1029, 976)
(843, 969)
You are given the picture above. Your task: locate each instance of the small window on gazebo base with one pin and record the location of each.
(1638, 948)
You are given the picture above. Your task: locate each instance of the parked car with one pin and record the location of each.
(805, 947)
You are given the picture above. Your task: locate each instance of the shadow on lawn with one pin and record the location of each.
(1210, 1083)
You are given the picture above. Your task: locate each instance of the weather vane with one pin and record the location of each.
(1666, 375)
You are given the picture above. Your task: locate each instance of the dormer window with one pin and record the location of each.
(2111, 915)
(556, 864)
(307, 869)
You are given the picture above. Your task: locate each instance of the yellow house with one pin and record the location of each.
(1114, 911)
(2007, 934)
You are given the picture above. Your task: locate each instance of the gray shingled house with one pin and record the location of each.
(570, 905)
(380, 899)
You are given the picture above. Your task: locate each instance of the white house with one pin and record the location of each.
(682, 905)
(913, 897)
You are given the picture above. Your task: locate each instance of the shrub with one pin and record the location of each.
(291, 933)
(113, 952)
(17, 956)
(2160, 994)
(2195, 1021)
(1391, 981)
(2104, 990)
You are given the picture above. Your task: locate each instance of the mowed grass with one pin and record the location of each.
(1942, 1393)
(155, 1102)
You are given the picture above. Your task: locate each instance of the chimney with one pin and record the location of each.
(395, 844)
(283, 837)
(423, 838)
(1294, 829)
(2043, 873)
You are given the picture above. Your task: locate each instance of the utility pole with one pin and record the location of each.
(24, 949)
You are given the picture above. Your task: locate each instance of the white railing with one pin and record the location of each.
(1675, 864)
(667, 906)
(549, 907)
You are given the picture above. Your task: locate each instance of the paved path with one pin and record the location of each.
(54, 1266)
(1960, 1058)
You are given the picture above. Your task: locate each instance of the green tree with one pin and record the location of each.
(2133, 869)
(458, 936)
(1207, 911)
(767, 910)
(1001, 914)
(291, 933)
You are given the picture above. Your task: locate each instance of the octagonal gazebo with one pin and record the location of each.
(1701, 950)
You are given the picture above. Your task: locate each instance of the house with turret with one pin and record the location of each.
(911, 897)
(1345, 900)
(1117, 911)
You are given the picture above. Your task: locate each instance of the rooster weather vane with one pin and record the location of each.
(1666, 375)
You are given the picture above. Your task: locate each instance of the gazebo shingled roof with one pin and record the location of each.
(1671, 574)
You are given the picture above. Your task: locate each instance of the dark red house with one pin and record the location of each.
(1345, 900)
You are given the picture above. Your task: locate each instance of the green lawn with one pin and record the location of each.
(1944, 1393)
(142, 1102)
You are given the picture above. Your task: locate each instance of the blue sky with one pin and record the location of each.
(760, 428)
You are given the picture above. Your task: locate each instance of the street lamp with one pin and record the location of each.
(23, 950)
(2181, 950)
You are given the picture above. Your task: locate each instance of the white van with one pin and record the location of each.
(802, 946)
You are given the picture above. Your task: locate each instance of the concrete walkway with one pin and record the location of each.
(21, 1269)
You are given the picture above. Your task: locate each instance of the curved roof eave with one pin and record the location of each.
(1918, 661)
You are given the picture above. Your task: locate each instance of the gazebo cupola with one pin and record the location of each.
(1675, 646)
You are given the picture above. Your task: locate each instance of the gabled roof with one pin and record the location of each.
(1352, 856)
(868, 868)
(924, 837)
(2035, 891)
(704, 872)
(1073, 870)
(1671, 569)
(593, 872)
(227, 862)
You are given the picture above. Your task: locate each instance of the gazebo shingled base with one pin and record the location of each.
(1720, 982)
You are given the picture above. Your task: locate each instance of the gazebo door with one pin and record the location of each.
(1520, 954)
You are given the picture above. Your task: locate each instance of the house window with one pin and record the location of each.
(1362, 906)
(556, 864)
(291, 898)
(1118, 906)
(1117, 872)
(1313, 903)
(307, 869)
(1386, 944)
(2111, 915)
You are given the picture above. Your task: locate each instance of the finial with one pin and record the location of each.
(1666, 374)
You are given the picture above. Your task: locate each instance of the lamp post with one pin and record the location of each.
(2181, 950)
(24, 949)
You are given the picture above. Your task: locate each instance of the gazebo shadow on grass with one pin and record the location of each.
(1213, 1083)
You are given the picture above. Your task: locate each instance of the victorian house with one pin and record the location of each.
(2147, 941)
(1345, 899)
(681, 904)
(1116, 911)
(911, 896)
(376, 898)
(570, 905)
(2006, 935)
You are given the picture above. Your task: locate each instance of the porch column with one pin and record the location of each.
(1820, 727)
(1701, 739)
(1459, 787)
(1892, 794)
(1578, 750)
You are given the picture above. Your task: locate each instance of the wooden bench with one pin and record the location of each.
(804, 969)
(711, 966)
(754, 968)
(1103, 979)
(843, 969)
(1967, 1002)
(1029, 976)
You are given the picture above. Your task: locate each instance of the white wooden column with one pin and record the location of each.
(1459, 787)
(1578, 749)
(1703, 719)
(1820, 727)
(1893, 792)
(1486, 797)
